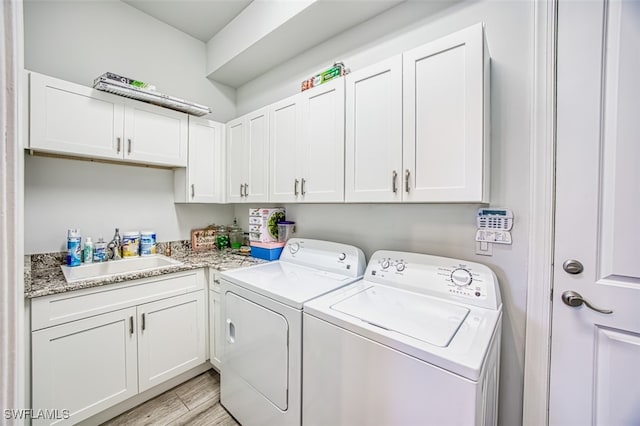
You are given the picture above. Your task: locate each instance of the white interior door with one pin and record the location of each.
(595, 357)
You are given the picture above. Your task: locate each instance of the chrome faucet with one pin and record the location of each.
(115, 246)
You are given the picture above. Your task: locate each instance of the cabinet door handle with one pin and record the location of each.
(131, 325)
(241, 186)
(246, 189)
(302, 190)
(394, 181)
(193, 190)
(119, 143)
(129, 148)
(295, 187)
(144, 322)
(406, 181)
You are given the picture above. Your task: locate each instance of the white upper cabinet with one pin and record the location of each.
(307, 146)
(73, 119)
(237, 163)
(70, 119)
(284, 137)
(202, 180)
(248, 158)
(155, 135)
(446, 119)
(322, 153)
(373, 164)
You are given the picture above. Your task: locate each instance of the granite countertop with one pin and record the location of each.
(43, 276)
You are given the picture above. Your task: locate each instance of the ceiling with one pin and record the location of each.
(247, 38)
(201, 19)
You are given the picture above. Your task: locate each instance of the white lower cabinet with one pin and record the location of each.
(171, 338)
(94, 348)
(216, 328)
(85, 366)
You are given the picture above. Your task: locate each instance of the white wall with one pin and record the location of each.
(446, 230)
(97, 197)
(78, 41)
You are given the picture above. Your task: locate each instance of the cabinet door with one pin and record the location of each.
(444, 119)
(206, 161)
(84, 366)
(216, 330)
(71, 119)
(237, 162)
(257, 177)
(322, 174)
(171, 338)
(155, 135)
(285, 137)
(373, 163)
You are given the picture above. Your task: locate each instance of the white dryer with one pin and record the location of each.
(416, 342)
(261, 374)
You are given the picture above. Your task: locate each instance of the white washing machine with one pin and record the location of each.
(261, 374)
(416, 342)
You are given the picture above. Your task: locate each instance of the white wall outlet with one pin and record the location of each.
(484, 248)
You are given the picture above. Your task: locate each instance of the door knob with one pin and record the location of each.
(572, 266)
(574, 299)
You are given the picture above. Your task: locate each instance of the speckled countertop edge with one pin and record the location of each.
(43, 276)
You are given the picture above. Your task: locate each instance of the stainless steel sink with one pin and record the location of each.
(106, 269)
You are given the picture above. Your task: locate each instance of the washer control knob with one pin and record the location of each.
(294, 247)
(342, 256)
(461, 277)
(385, 263)
(400, 266)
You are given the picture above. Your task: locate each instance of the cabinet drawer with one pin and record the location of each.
(61, 308)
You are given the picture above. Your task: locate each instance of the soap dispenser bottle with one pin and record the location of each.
(88, 250)
(118, 241)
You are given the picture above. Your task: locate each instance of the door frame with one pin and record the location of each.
(14, 391)
(542, 214)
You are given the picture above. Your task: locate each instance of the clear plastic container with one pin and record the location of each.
(222, 237)
(285, 229)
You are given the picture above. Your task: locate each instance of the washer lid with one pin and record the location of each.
(410, 314)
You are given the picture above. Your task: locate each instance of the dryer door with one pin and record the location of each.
(256, 348)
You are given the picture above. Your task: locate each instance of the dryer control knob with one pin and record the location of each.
(385, 264)
(293, 248)
(342, 256)
(400, 266)
(461, 277)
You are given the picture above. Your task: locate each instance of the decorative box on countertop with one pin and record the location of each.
(266, 251)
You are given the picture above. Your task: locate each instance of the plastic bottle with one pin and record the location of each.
(74, 247)
(100, 252)
(118, 240)
(88, 250)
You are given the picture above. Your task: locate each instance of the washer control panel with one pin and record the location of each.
(467, 282)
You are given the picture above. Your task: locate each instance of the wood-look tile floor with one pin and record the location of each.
(196, 402)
